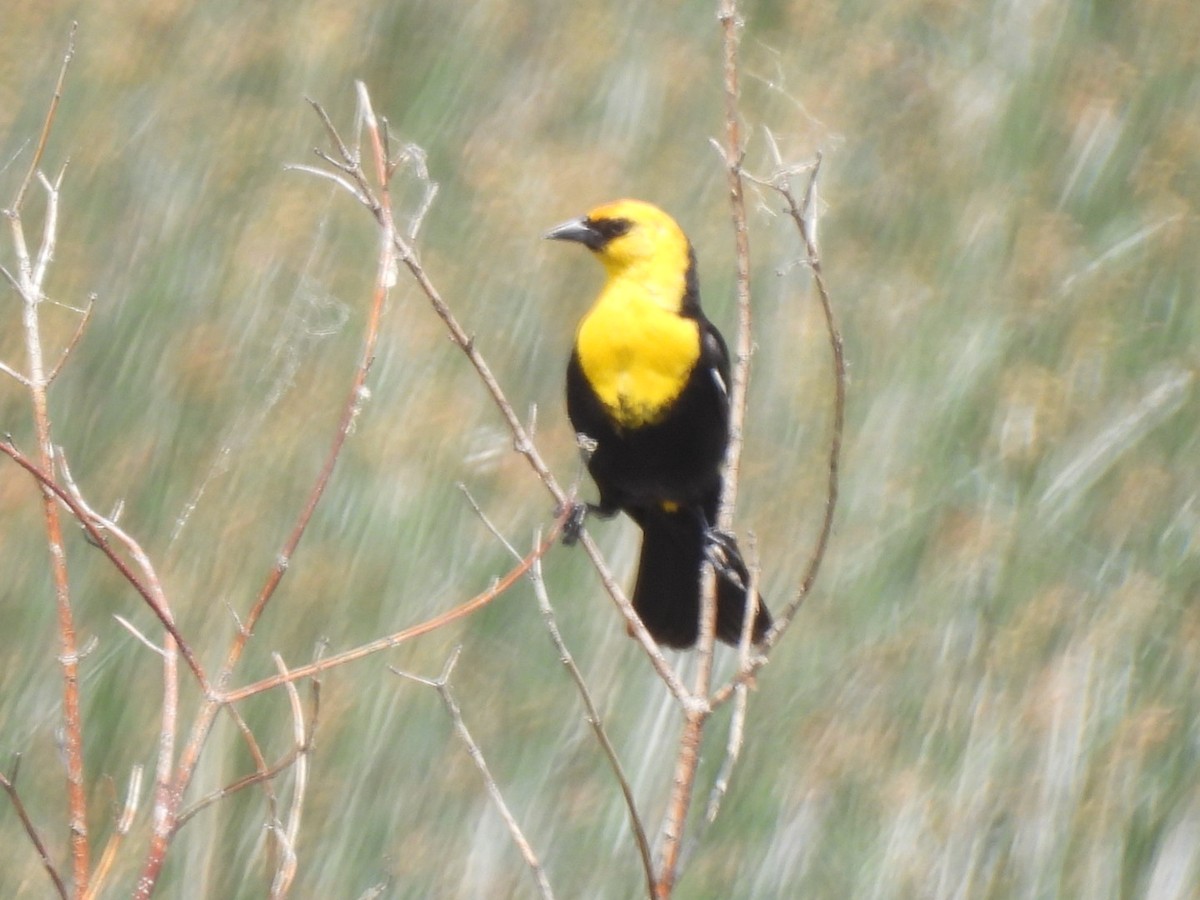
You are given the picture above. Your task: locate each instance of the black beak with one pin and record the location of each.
(579, 230)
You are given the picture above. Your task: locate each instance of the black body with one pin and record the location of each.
(667, 477)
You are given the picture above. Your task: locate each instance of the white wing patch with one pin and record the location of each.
(719, 381)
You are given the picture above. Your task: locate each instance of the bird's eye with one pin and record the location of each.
(610, 228)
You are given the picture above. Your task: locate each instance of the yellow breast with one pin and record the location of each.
(636, 355)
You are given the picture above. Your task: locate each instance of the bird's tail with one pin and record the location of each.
(667, 593)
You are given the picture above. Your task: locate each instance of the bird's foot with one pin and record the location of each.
(573, 525)
(721, 549)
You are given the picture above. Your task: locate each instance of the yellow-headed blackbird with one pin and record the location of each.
(647, 391)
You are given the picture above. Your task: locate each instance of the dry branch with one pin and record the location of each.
(9, 785)
(596, 722)
(165, 825)
(117, 838)
(394, 640)
(697, 713)
(442, 685)
(29, 283)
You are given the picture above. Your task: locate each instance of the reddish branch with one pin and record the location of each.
(29, 281)
(696, 714)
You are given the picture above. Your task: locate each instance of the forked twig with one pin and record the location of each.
(593, 715)
(289, 833)
(169, 650)
(596, 722)
(84, 320)
(96, 534)
(47, 124)
(356, 396)
(803, 214)
(29, 283)
(442, 685)
(263, 774)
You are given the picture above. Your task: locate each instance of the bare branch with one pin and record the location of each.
(30, 286)
(258, 777)
(522, 441)
(129, 626)
(442, 685)
(595, 721)
(47, 123)
(332, 132)
(99, 540)
(264, 774)
(288, 834)
(13, 373)
(286, 872)
(737, 724)
(804, 214)
(170, 703)
(49, 228)
(341, 182)
(202, 725)
(394, 640)
(84, 320)
(10, 788)
(116, 839)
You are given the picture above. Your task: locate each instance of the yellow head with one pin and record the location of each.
(634, 241)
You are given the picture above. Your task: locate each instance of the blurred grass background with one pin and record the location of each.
(992, 691)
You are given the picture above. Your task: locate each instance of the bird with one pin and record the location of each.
(647, 390)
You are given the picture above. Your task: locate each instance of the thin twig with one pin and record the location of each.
(286, 872)
(339, 180)
(487, 523)
(84, 319)
(737, 723)
(264, 774)
(13, 373)
(442, 685)
(132, 629)
(169, 651)
(117, 838)
(47, 123)
(662, 668)
(99, 539)
(802, 214)
(357, 394)
(31, 831)
(394, 640)
(596, 722)
(257, 777)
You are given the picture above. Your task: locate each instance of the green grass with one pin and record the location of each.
(991, 692)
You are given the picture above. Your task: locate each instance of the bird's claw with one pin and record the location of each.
(573, 524)
(720, 548)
